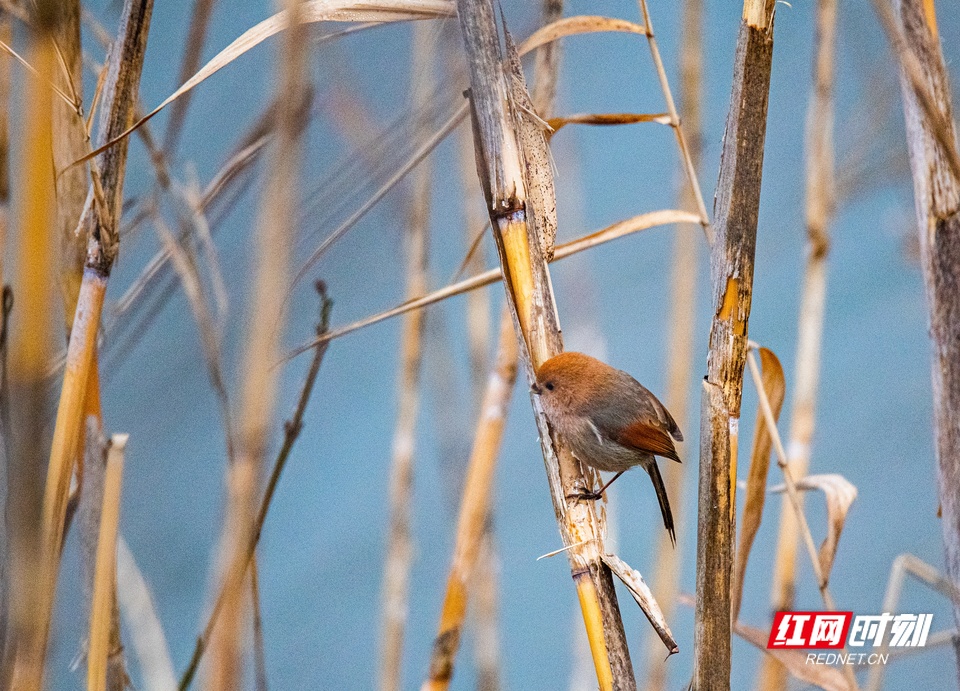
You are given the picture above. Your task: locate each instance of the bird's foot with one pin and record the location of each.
(584, 496)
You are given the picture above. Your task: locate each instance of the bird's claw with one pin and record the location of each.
(584, 496)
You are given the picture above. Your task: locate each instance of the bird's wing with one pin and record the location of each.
(644, 436)
(652, 406)
(667, 419)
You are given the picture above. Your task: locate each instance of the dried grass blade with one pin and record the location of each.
(313, 11)
(776, 388)
(641, 593)
(600, 237)
(582, 24)
(823, 676)
(607, 119)
(142, 623)
(36, 74)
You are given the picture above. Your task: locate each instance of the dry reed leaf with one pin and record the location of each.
(600, 237)
(607, 119)
(377, 11)
(840, 494)
(143, 626)
(33, 71)
(823, 676)
(776, 388)
(582, 24)
(641, 593)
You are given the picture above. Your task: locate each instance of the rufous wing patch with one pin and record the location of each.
(643, 436)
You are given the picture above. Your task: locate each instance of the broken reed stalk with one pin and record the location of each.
(936, 186)
(502, 169)
(292, 429)
(475, 538)
(31, 341)
(104, 633)
(102, 224)
(399, 560)
(736, 217)
(820, 204)
(666, 579)
(271, 255)
(475, 507)
(89, 518)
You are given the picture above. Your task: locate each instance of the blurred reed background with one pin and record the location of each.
(342, 153)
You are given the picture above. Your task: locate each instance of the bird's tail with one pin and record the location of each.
(664, 501)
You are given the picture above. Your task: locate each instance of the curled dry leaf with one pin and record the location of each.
(641, 593)
(840, 494)
(823, 676)
(776, 388)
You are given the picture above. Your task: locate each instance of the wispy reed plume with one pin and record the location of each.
(31, 341)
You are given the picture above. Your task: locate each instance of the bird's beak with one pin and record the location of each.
(536, 388)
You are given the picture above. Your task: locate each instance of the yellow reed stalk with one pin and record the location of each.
(31, 345)
(6, 36)
(123, 78)
(475, 507)
(508, 167)
(104, 584)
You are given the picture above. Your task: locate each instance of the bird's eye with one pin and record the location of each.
(549, 385)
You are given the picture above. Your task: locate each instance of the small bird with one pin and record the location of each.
(608, 420)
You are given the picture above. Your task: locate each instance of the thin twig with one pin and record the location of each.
(291, 429)
(259, 647)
